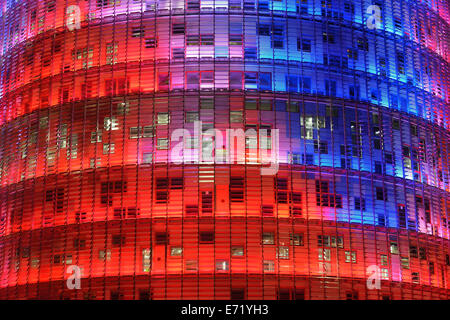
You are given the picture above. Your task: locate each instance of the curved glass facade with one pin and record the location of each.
(123, 152)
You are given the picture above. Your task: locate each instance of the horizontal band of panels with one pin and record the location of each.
(220, 249)
(403, 75)
(295, 193)
(146, 129)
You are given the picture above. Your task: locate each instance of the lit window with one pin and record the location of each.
(350, 256)
(191, 265)
(394, 247)
(324, 255)
(268, 238)
(146, 260)
(176, 251)
(237, 251)
(283, 252)
(110, 124)
(163, 118)
(104, 255)
(404, 262)
(296, 239)
(163, 144)
(221, 265)
(269, 265)
(236, 116)
(384, 260)
(137, 32)
(108, 148)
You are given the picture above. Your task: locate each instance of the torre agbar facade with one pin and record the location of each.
(353, 98)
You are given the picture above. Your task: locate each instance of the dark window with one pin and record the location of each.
(237, 294)
(206, 237)
(381, 193)
(144, 295)
(178, 28)
(162, 238)
(118, 240)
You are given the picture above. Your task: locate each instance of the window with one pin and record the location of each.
(163, 118)
(236, 116)
(237, 294)
(360, 204)
(431, 267)
(144, 295)
(110, 124)
(330, 87)
(163, 144)
(104, 254)
(108, 148)
(352, 53)
(284, 294)
(352, 295)
(415, 277)
(413, 253)
(237, 251)
(383, 260)
(304, 45)
(265, 81)
(147, 157)
(250, 53)
(350, 256)
(251, 80)
(268, 238)
(221, 265)
(328, 37)
(191, 116)
(268, 265)
(116, 295)
(151, 43)
(296, 239)
(236, 78)
(146, 260)
(237, 189)
(191, 265)
(278, 36)
(321, 147)
(137, 32)
(324, 255)
(163, 81)
(422, 254)
(177, 53)
(362, 44)
(404, 262)
(161, 238)
(118, 240)
(394, 247)
(193, 4)
(381, 193)
(264, 29)
(176, 251)
(283, 252)
(178, 28)
(206, 237)
(236, 39)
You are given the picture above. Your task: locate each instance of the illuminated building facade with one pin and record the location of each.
(91, 92)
